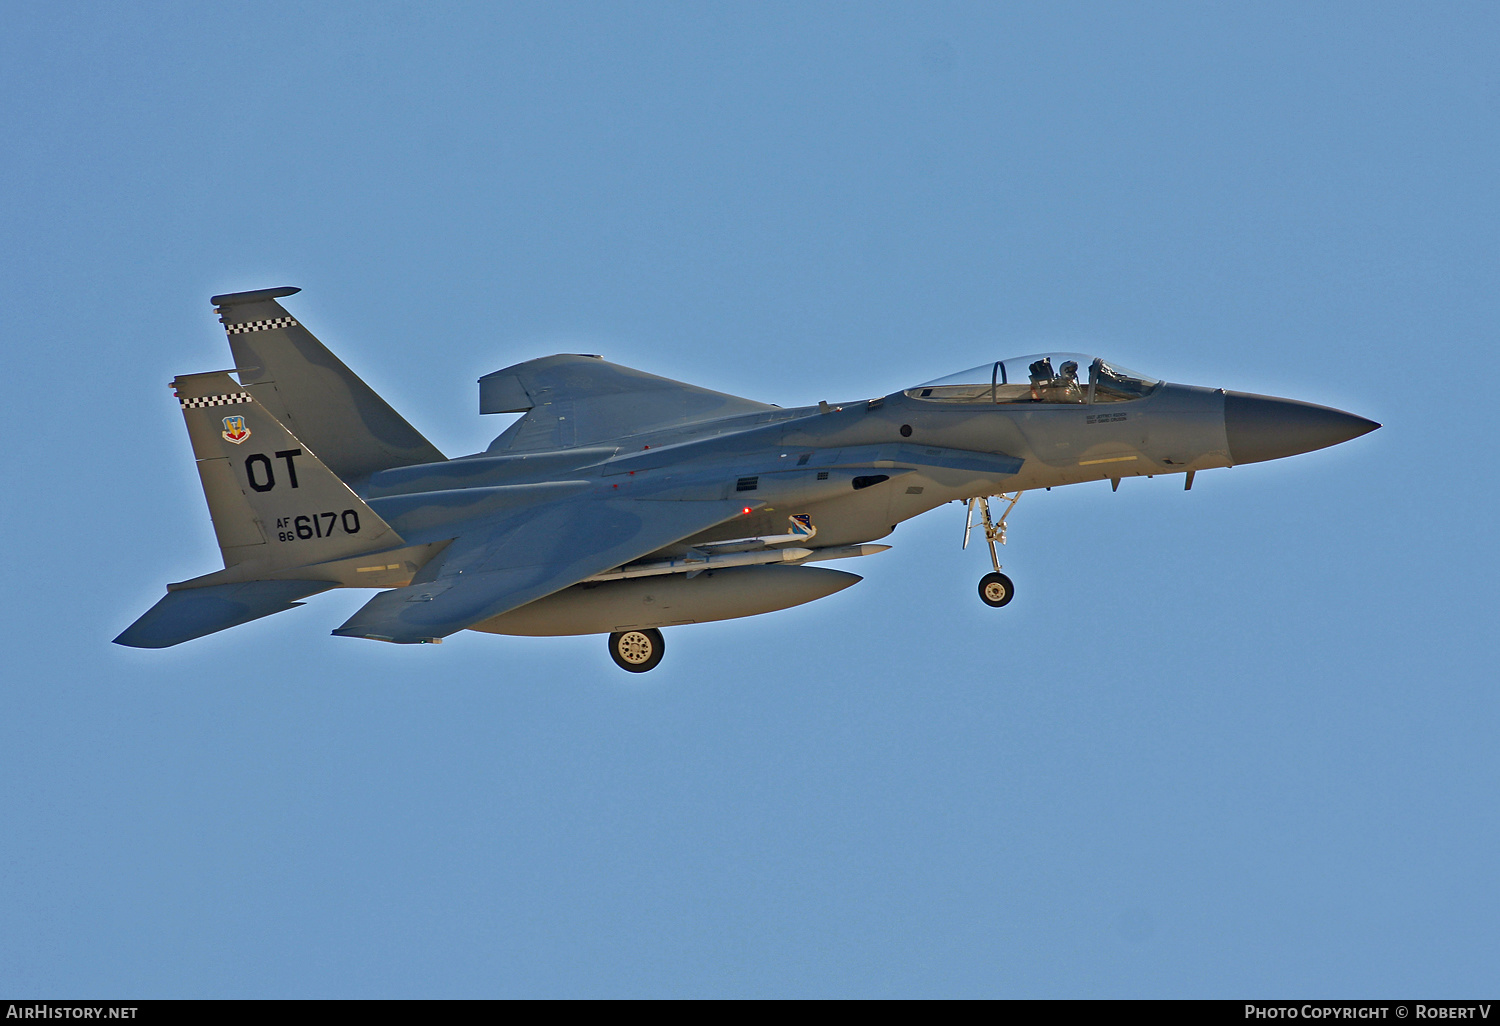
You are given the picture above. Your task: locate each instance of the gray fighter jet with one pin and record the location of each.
(622, 502)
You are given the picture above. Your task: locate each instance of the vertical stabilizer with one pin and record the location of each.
(311, 392)
(274, 503)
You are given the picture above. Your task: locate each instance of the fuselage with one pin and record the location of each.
(797, 460)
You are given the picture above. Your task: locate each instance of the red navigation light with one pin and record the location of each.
(745, 512)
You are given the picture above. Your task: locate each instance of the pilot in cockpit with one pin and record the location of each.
(1060, 386)
(1067, 383)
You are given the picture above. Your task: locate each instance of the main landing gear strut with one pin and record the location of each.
(994, 589)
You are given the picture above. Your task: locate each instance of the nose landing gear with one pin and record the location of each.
(994, 589)
(637, 651)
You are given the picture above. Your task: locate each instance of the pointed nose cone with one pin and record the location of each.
(1261, 427)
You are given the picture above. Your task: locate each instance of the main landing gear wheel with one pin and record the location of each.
(996, 590)
(637, 651)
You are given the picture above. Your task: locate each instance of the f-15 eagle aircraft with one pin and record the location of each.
(622, 502)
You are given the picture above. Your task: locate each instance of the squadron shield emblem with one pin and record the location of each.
(235, 430)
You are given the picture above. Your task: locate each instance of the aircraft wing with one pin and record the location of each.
(572, 400)
(506, 562)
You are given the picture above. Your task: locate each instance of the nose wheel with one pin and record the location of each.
(995, 589)
(637, 651)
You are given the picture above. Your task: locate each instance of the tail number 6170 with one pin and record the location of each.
(317, 525)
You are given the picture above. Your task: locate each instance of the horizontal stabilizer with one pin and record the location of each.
(194, 612)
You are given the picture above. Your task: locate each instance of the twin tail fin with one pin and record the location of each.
(273, 501)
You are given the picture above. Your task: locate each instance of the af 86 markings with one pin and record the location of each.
(317, 525)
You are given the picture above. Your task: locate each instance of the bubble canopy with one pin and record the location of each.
(1072, 378)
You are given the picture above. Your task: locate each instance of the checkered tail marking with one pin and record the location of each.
(226, 399)
(267, 325)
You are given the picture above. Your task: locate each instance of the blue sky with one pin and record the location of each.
(1236, 741)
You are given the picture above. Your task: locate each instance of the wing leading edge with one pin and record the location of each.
(504, 563)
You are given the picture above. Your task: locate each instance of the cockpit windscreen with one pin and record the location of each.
(1044, 378)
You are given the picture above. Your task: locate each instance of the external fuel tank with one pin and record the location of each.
(669, 599)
